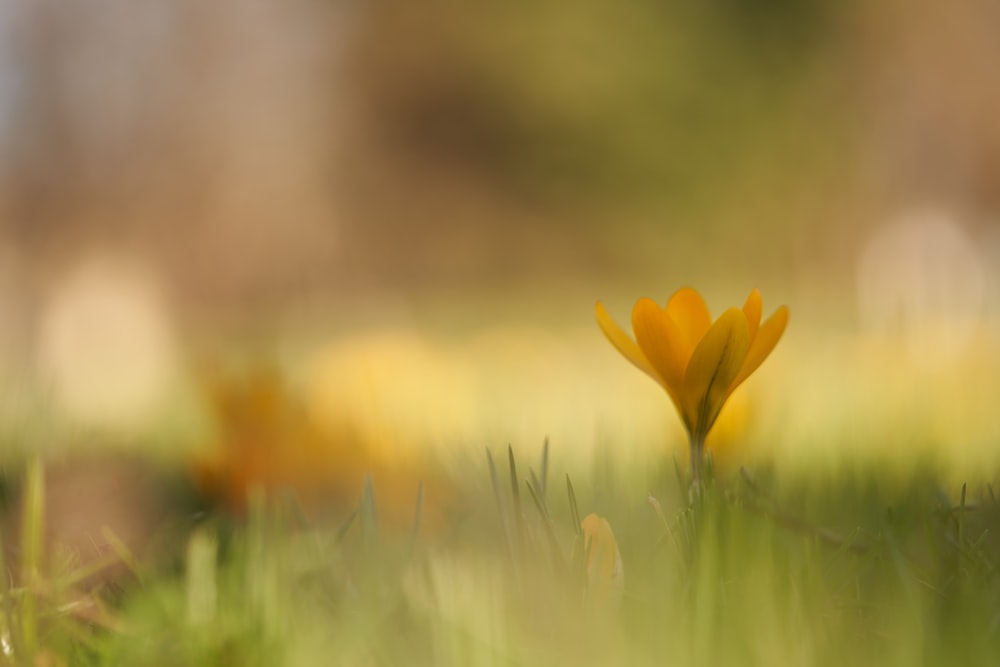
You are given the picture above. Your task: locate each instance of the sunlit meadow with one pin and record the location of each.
(300, 362)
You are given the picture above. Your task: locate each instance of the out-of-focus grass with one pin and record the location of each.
(853, 517)
(773, 567)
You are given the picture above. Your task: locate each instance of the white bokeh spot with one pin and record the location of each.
(922, 281)
(106, 343)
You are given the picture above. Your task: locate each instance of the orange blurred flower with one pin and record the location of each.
(265, 440)
(697, 361)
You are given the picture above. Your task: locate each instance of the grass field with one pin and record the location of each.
(834, 526)
(849, 514)
(857, 566)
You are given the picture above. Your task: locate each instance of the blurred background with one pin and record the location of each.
(358, 232)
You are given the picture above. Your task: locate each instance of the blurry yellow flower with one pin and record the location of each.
(265, 440)
(697, 361)
(605, 575)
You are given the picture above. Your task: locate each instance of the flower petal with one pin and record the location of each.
(603, 558)
(624, 343)
(714, 365)
(767, 337)
(688, 311)
(753, 309)
(661, 341)
(605, 575)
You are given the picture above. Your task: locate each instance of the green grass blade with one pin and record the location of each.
(495, 482)
(346, 526)
(121, 550)
(514, 484)
(32, 541)
(550, 535)
(519, 536)
(574, 508)
(544, 481)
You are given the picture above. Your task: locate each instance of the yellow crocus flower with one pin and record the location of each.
(697, 361)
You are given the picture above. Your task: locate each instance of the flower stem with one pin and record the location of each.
(697, 445)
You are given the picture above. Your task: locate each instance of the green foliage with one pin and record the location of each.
(765, 569)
